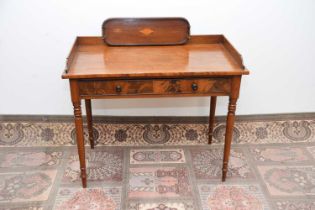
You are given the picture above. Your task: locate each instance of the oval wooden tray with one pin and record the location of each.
(145, 31)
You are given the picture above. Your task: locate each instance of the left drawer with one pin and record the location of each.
(115, 87)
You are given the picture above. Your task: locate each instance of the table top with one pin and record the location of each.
(202, 56)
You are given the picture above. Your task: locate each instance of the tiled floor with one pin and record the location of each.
(270, 174)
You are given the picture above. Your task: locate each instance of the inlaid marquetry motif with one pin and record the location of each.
(146, 31)
(117, 30)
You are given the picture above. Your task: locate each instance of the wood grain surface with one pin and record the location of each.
(202, 56)
(207, 65)
(145, 31)
(154, 88)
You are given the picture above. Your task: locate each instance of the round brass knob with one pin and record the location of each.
(118, 88)
(194, 86)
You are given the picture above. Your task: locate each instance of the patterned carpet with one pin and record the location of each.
(162, 166)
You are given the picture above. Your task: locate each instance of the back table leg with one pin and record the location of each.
(213, 103)
(89, 119)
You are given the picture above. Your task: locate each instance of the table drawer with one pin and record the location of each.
(192, 86)
(200, 86)
(116, 87)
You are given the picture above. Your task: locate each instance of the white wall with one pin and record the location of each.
(275, 37)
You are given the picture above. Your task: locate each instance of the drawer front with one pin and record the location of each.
(192, 86)
(116, 87)
(162, 87)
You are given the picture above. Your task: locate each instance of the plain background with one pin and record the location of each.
(275, 37)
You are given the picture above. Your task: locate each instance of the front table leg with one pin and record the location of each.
(79, 129)
(230, 124)
(228, 136)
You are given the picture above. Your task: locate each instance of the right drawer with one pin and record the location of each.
(192, 86)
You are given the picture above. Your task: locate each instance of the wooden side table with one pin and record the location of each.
(174, 64)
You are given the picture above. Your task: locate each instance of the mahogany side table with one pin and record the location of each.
(153, 57)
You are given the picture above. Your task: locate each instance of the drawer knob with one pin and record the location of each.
(194, 86)
(118, 88)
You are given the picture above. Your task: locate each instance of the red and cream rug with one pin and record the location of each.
(158, 166)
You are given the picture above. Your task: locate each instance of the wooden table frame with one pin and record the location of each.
(76, 101)
(211, 83)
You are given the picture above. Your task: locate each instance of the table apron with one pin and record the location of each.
(92, 88)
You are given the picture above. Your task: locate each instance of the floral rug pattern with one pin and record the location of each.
(23, 186)
(289, 180)
(157, 156)
(230, 197)
(182, 205)
(93, 198)
(167, 182)
(41, 133)
(30, 159)
(101, 166)
(207, 164)
(158, 166)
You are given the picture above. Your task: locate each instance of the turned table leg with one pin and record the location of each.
(79, 128)
(228, 136)
(89, 120)
(213, 103)
(230, 124)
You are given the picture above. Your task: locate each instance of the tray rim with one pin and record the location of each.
(194, 39)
